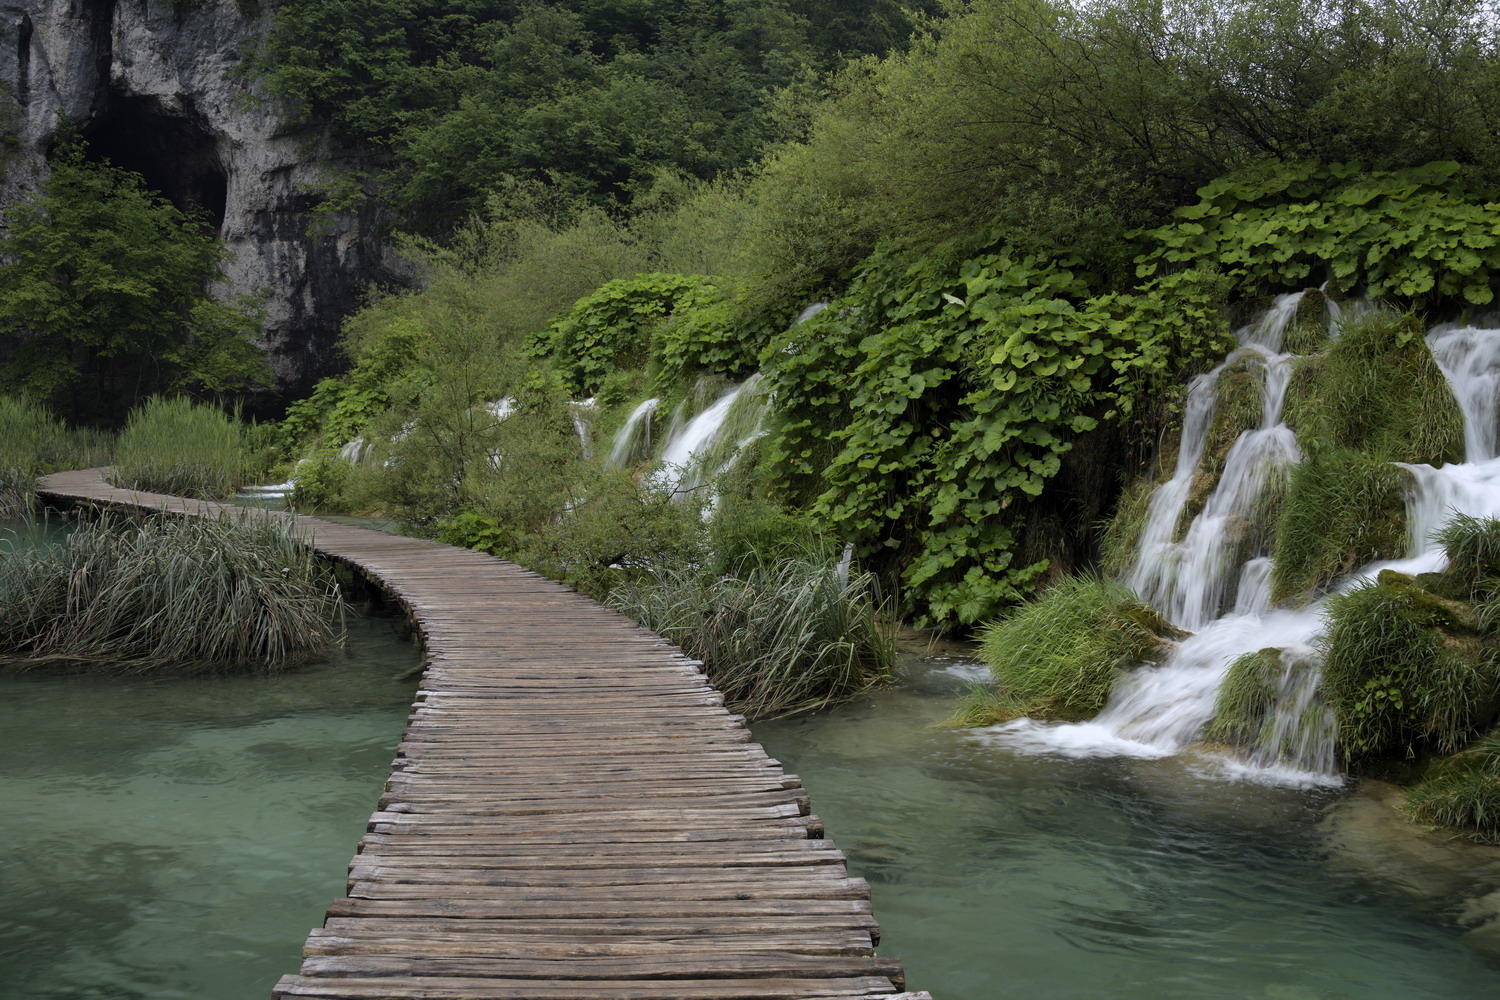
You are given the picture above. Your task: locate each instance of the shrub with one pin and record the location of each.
(238, 592)
(1341, 511)
(1462, 792)
(179, 447)
(1061, 652)
(775, 640)
(1404, 669)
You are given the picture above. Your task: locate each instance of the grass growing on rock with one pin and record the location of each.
(1058, 656)
(139, 595)
(1376, 390)
(1237, 409)
(1247, 695)
(776, 639)
(1341, 510)
(1472, 545)
(183, 448)
(1405, 669)
(1462, 793)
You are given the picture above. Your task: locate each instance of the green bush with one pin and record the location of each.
(168, 592)
(1405, 669)
(182, 448)
(1341, 511)
(1462, 792)
(778, 639)
(1060, 653)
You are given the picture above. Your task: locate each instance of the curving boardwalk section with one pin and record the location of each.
(572, 814)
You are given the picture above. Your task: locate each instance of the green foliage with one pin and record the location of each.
(1462, 792)
(1472, 545)
(1341, 511)
(1069, 124)
(612, 328)
(104, 292)
(775, 639)
(1404, 669)
(1060, 653)
(36, 442)
(595, 97)
(1117, 553)
(182, 448)
(1412, 233)
(168, 592)
(948, 391)
(322, 484)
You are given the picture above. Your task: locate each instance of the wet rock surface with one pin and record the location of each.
(159, 87)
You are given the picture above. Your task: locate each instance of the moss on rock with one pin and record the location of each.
(1246, 696)
(1058, 656)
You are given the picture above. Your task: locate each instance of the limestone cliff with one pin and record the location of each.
(158, 86)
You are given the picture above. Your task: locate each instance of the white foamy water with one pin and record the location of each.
(634, 436)
(1157, 710)
(706, 446)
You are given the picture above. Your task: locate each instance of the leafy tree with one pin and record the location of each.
(104, 297)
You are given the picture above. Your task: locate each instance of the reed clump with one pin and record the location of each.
(776, 639)
(182, 448)
(33, 442)
(1245, 698)
(1058, 656)
(145, 594)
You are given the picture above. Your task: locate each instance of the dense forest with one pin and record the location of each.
(947, 270)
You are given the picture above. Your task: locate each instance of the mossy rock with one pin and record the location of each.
(1376, 390)
(1245, 698)
(1308, 330)
(1440, 612)
(1405, 670)
(1058, 656)
(1342, 510)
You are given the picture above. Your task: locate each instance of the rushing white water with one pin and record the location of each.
(354, 451)
(1158, 710)
(707, 445)
(634, 436)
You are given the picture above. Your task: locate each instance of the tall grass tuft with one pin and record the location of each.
(183, 448)
(1405, 669)
(777, 640)
(1059, 655)
(1462, 792)
(1472, 545)
(34, 442)
(143, 594)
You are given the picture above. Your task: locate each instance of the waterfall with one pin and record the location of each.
(633, 439)
(1210, 583)
(582, 413)
(705, 446)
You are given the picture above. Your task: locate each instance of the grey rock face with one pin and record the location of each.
(158, 87)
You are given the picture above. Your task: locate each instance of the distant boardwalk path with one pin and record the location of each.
(572, 814)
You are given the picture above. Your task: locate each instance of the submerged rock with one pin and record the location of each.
(1369, 830)
(156, 86)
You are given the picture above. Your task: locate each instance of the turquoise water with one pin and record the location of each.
(1000, 875)
(177, 838)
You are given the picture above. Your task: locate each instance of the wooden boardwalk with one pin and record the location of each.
(572, 814)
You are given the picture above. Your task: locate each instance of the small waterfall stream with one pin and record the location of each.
(1216, 585)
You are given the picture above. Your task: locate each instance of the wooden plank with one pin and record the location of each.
(571, 814)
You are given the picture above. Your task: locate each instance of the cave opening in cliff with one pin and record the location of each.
(174, 154)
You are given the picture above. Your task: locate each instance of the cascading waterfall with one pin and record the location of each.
(707, 445)
(633, 439)
(1209, 582)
